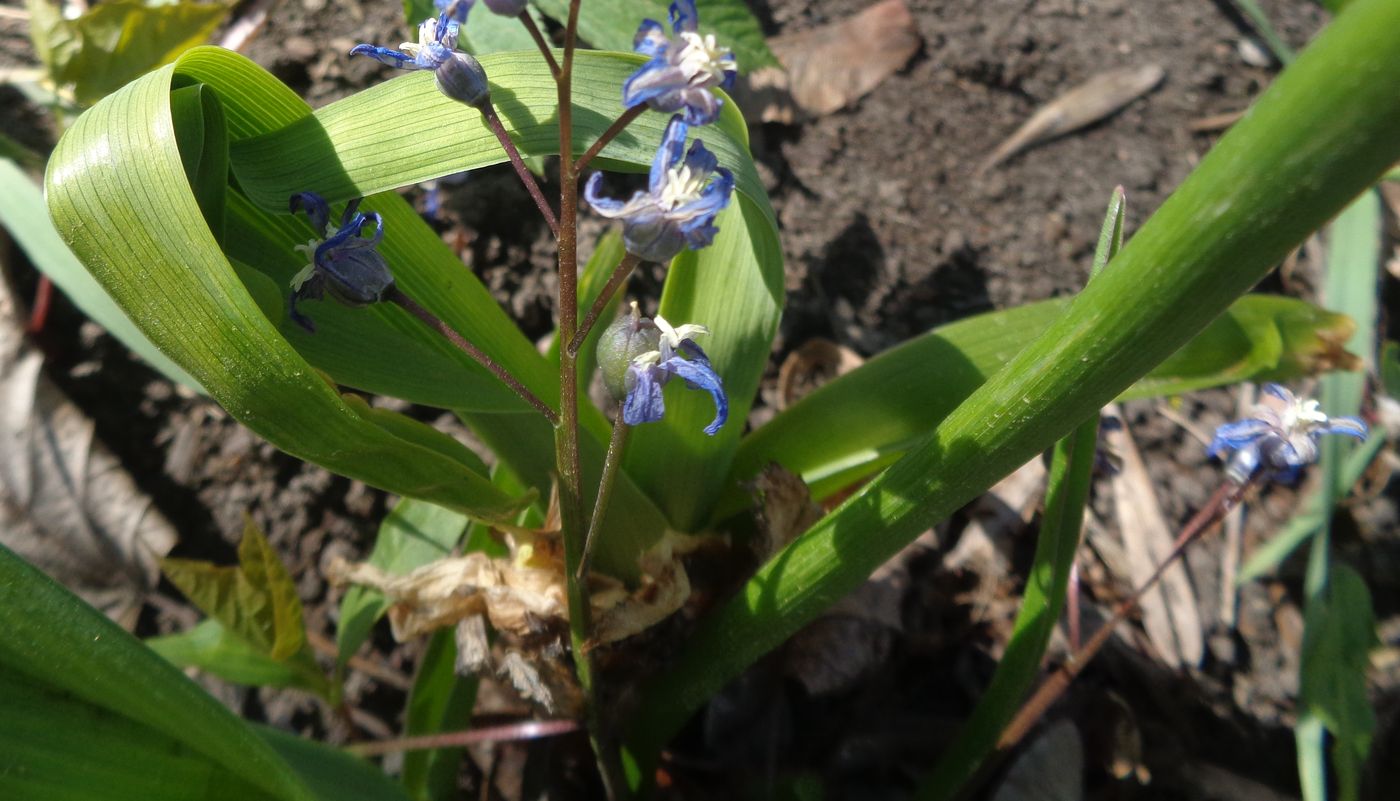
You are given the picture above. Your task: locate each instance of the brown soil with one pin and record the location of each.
(887, 231)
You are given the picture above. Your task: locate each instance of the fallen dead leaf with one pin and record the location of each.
(828, 68)
(1097, 98)
(815, 363)
(785, 510)
(67, 505)
(1170, 615)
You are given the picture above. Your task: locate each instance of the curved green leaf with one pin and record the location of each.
(215, 650)
(1324, 131)
(869, 416)
(67, 656)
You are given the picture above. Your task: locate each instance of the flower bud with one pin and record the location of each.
(621, 343)
(462, 78)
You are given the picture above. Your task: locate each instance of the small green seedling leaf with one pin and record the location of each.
(215, 650)
(257, 600)
(1340, 632)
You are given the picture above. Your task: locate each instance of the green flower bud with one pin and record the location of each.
(621, 343)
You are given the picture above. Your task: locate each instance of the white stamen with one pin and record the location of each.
(304, 274)
(682, 186)
(702, 60)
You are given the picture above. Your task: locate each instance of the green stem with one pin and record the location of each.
(619, 275)
(605, 484)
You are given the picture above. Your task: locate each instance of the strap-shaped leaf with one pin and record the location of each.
(118, 169)
(612, 24)
(59, 647)
(872, 414)
(1324, 131)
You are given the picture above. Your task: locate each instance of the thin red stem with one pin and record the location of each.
(540, 42)
(619, 276)
(493, 121)
(1055, 685)
(396, 296)
(611, 133)
(511, 732)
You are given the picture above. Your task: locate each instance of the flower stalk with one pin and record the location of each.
(616, 444)
(540, 42)
(619, 276)
(493, 121)
(619, 125)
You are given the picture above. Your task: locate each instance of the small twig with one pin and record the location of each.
(1055, 685)
(607, 136)
(396, 295)
(512, 732)
(619, 275)
(43, 298)
(540, 42)
(616, 443)
(493, 121)
(1215, 122)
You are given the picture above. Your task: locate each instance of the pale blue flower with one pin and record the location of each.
(1279, 437)
(685, 192)
(683, 70)
(343, 264)
(676, 354)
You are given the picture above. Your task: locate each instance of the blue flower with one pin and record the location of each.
(676, 354)
(679, 207)
(344, 264)
(456, 10)
(459, 75)
(682, 70)
(1279, 437)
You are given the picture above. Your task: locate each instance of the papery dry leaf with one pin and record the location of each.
(664, 588)
(1097, 98)
(544, 679)
(67, 505)
(785, 510)
(830, 67)
(473, 646)
(1170, 615)
(815, 363)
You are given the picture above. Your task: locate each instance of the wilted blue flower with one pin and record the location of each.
(344, 264)
(459, 75)
(637, 356)
(1279, 437)
(455, 10)
(679, 207)
(682, 70)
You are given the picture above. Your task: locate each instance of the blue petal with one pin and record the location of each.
(1243, 464)
(1278, 391)
(668, 154)
(700, 160)
(611, 208)
(644, 402)
(727, 82)
(684, 16)
(689, 348)
(651, 41)
(656, 83)
(1351, 426)
(652, 237)
(351, 210)
(385, 55)
(696, 218)
(357, 224)
(700, 375)
(456, 8)
(701, 105)
(1233, 436)
(315, 207)
(431, 56)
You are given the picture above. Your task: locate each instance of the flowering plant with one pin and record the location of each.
(175, 193)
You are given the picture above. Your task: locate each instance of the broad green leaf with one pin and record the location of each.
(119, 167)
(22, 213)
(413, 534)
(256, 601)
(1390, 369)
(872, 414)
(612, 24)
(1321, 133)
(331, 774)
(441, 701)
(66, 655)
(215, 650)
(1340, 631)
(55, 747)
(116, 41)
(1067, 490)
(735, 288)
